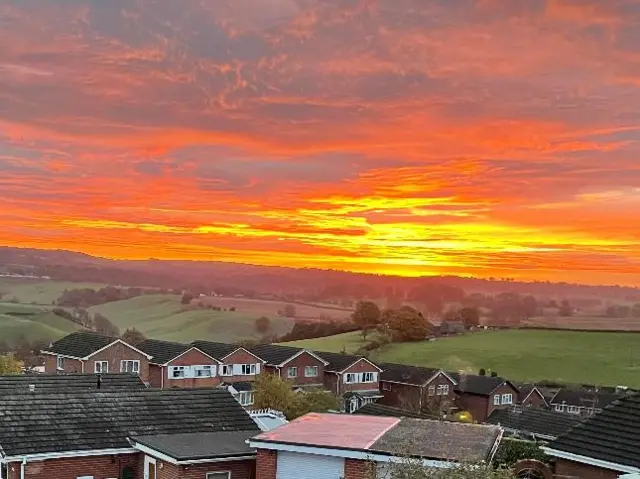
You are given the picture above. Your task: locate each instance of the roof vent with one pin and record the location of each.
(32, 387)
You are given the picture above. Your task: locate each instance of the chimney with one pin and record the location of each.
(32, 388)
(99, 382)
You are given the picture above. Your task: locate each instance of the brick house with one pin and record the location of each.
(177, 365)
(355, 379)
(480, 395)
(605, 446)
(530, 396)
(150, 433)
(417, 389)
(89, 352)
(302, 367)
(330, 446)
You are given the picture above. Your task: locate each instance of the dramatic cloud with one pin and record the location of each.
(472, 137)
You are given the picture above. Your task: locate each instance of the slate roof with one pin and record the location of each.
(69, 382)
(401, 373)
(612, 435)
(534, 421)
(584, 397)
(275, 354)
(241, 385)
(376, 409)
(202, 445)
(80, 344)
(337, 361)
(43, 422)
(474, 384)
(216, 350)
(162, 351)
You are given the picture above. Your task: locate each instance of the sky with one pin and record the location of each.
(485, 138)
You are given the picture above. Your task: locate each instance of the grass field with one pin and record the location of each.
(566, 356)
(161, 316)
(40, 292)
(584, 322)
(261, 307)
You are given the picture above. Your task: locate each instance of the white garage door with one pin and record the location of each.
(294, 465)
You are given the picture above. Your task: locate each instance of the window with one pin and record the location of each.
(350, 378)
(573, 409)
(443, 389)
(368, 377)
(227, 370)
(496, 400)
(84, 477)
(245, 398)
(310, 371)
(431, 390)
(59, 362)
(559, 407)
(248, 369)
(507, 398)
(130, 366)
(205, 371)
(218, 475)
(177, 372)
(101, 367)
(292, 372)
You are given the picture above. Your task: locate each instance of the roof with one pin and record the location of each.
(163, 351)
(80, 344)
(539, 422)
(104, 419)
(217, 350)
(199, 445)
(584, 398)
(338, 362)
(401, 373)
(524, 390)
(612, 435)
(68, 382)
(275, 354)
(240, 385)
(480, 385)
(425, 438)
(376, 409)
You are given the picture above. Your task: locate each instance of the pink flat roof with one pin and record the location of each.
(332, 430)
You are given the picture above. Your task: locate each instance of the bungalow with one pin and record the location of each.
(302, 367)
(532, 424)
(604, 446)
(331, 446)
(416, 388)
(158, 434)
(581, 401)
(480, 395)
(69, 382)
(89, 352)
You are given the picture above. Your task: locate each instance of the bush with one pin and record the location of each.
(511, 451)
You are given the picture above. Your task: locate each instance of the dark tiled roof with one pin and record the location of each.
(80, 344)
(337, 361)
(274, 354)
(534, 421)
(200, 445)
(402, 373)
(215, 350)
(444, 440)
(241, 385)
(69, 382)
(612, 435)
(584, 397)
(74, 420)
(474, 384)
(162, 351)
(375, 409)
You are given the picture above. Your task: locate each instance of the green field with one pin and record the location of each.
(42, 292)
(161, 316)
(571, 357)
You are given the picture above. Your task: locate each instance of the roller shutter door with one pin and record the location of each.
(294, 465)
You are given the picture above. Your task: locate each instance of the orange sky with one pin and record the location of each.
(492, 138)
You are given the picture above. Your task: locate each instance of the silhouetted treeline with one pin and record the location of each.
(85, 297)
(319, 329)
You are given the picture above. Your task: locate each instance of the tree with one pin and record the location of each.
(133, 337)
(262, 324)
(82, 317)
(186, 298)
(366, 316)
(470, 317)
(10, 366)
(565, 309)
(289, 311)
(313, 400)
(104, 326)
(404, 324)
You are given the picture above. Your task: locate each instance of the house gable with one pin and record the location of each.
(240, 350)
(117, 341)
(194, 352)
(303, 352)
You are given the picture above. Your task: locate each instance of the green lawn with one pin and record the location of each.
(43, 292)
(572, 357)
(43, 326)
(161, 316)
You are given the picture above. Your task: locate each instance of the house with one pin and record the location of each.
(332, 446)
(529, 395)
(177, 365)
(69, 382)
(581, 401)
(302, 367)
(89, 352)
(531, 423)
(480, 395)
(416, 388)
(604, 446)
(353, 378)
(150, 433)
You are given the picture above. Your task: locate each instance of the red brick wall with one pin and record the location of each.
(357, 469)
(534, 400)
(504, 389)
(305, 359)
(266, 464)
(116, 353)
(238, 469)
(437, 403)
(330, 381)
(361, 366)
(155, 376)
(575, 470)
(100, 467)
(476, 405)
(70, 365)
(240, 357)
(192, 357)
(401, 395)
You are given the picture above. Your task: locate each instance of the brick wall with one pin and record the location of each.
(533, 400)
(238, 469)
(192, 357)
(357, 469)
(474, 404)
(240, 357)
(305, 359)
(331, 382)
(70, 365)
(100, 467)
(116, 353)
(400, 395)
(575, 470)
(266, 464)
(155, 376)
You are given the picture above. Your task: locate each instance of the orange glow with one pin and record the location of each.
(488, 138)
